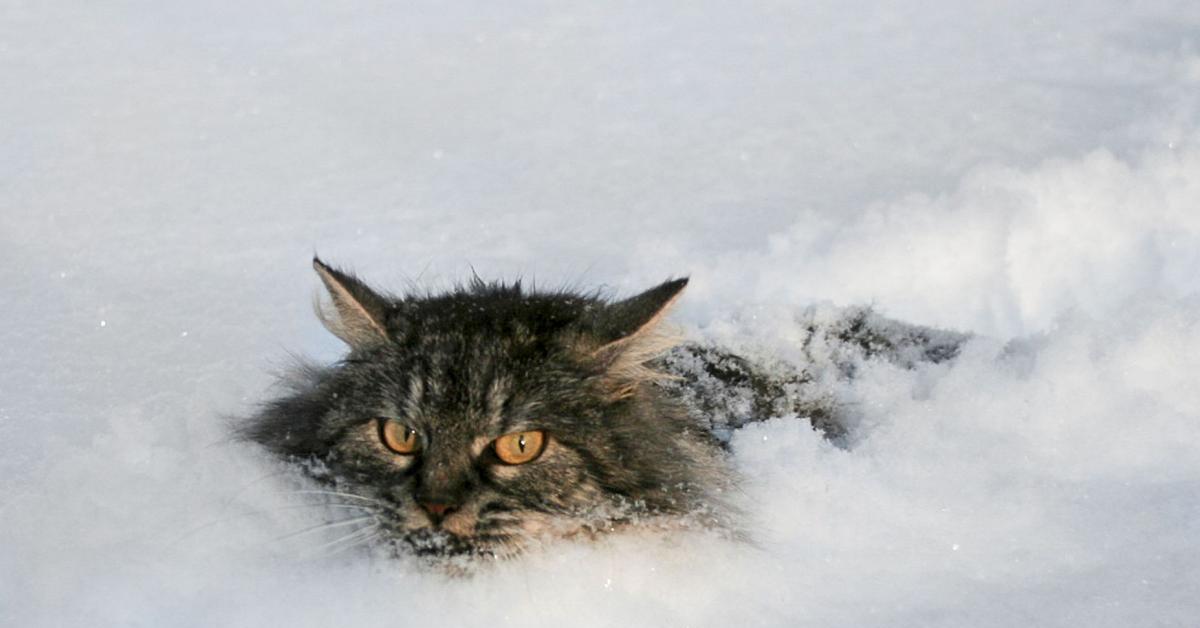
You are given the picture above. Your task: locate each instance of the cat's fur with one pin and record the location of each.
(485, 360)
(633, 431)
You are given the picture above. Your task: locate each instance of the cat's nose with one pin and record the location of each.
(437, 511)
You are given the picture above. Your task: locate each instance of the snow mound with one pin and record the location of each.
(1024, 174)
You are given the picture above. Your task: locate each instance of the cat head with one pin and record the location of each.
(475, 421)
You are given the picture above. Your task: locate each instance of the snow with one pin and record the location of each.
(1026, 172)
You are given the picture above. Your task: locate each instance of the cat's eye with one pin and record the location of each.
(398, 437)
(520, 447)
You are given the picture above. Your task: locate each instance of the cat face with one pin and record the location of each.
(478, 421)
(474, 443)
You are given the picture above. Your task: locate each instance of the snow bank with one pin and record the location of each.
(1004, 253)
(1027, 173)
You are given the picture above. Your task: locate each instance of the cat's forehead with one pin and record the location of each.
(464, 374)
(490, 312)
(485, 333)
(475, 360)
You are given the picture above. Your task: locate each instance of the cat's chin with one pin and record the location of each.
(440, 544)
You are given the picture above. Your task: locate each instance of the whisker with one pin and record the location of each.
(351, 540)
(338, 494)
(328, 525)
(317, 505)
(494, 507)
(248, 485)
(260, 511)
(373, 534)
(494, 523)
(376, 534)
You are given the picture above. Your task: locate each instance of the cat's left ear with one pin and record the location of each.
(631, 333)
(358, 315)
(625, 320)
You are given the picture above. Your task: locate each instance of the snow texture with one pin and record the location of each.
(1025, 172)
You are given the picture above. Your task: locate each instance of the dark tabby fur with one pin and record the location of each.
(634, 432)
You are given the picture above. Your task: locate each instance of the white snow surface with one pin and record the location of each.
(1025, 171)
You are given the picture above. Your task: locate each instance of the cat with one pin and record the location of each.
(471, 424)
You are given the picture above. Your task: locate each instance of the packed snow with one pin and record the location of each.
(1027, 172)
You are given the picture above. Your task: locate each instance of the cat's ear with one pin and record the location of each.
(358, 314)
(631, 333)
(625, 320)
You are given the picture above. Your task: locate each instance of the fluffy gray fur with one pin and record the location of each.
(633, 432)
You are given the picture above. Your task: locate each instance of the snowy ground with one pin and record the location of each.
(1028, 171)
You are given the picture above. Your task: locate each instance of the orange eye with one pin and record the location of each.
(520, 447)
(398, 437)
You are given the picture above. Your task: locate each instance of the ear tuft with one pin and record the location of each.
(632, 334)
(358, 314)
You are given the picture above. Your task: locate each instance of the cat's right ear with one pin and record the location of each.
(357, 315)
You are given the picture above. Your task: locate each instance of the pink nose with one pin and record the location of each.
(437, 510)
